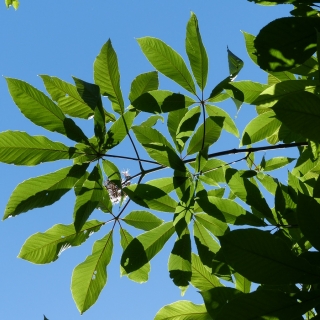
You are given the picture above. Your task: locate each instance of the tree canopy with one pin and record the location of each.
(249, 260)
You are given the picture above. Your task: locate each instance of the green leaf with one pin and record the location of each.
(151, 197)
(112, 173)
(42, 111)
(174, 119)
(142, 220)
(179, 264)
(309, 218)
(20, 148)
(143, 83)
(227, 211)
(248, 192)
(215, 299)
(46, 247)
(14, 3)
(201, 278)
(228, 123)
(213, 127)
(119, 129)
(186, 126)
(90, 276)
(158, 147)
(141, 275)
(268, 182)
(161, 101)
(249, 90)
(242, 283)
(183, 310)
(235, 64)
(88, 197)
(265, 304)
(196, 52)
(278, 91)
(167, 61)
(90, 93)
(43, 191)
(151, 121)
(276, 163)
(263, 258)
(107, 77)
(260, 128)
(217, 227)
(286, 43)
(207, 246)
(249, 39)
(143, 248)
(300, 113)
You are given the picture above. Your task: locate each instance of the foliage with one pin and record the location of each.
(278, 249)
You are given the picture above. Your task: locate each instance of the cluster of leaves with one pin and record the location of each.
(279, 247)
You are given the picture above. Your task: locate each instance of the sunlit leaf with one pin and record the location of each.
(90, 276)
(14, 3)
(141, 275)
(144, 247)
(143, 83)
(142, 220)
(167, 61)
(42, 191)
(42, 111)
(107, 76)
(88, 197)
(46, 247)
(183, 310)
(196, 52)
(20, 148)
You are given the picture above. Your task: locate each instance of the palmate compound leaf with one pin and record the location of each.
(43, 191)
(167, 61)
(210, 130)
(46, 247)
(196, 52)
(20, 148)
(69, 100)
(260, 128)
(141, 275)
(201, 278)
(107, 77)
(151, 197)
(263, 258)
(88, 197)
(142, 220)
(144, 247)
(143, 83)
(183, 310)
(42, 111)
(267, 304)
(90, 276)
(158, 147)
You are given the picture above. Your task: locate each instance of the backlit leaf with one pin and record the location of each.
(142, 220)
(143, 83)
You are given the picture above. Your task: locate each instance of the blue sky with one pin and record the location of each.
(62, 38)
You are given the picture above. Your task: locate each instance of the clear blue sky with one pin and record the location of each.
(62, 38)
